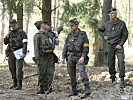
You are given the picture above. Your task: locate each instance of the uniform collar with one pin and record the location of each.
(75, 32)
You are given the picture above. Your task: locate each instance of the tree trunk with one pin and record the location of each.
(3, 27)
(28, 20)
(101, 55)
(46, 10)
(20, 14)
(128, 22)
(54, 16)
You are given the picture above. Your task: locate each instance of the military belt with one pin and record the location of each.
(78, 54)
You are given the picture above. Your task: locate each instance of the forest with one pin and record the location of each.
(91, 14)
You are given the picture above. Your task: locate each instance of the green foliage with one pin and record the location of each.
(11, 7)
(29, 5)
(86, 11)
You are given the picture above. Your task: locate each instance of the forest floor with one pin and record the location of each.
(99, 82)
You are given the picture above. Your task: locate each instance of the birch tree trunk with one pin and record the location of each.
(3, 27)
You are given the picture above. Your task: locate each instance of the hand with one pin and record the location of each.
(63, 61)
(118, 47)
(37, 62)
(24, 55)
(56, 41)
(105, 37)
(81, 60)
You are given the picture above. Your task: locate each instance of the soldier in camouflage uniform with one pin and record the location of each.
(75, 51)
(16, 40)
(115, 33)
(44, 44)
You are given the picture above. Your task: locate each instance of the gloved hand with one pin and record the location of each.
(59, 29)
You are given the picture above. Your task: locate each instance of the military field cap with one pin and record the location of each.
(113, 10)
(74, 21)
(47, 22)
(12, 21)
(38, 24)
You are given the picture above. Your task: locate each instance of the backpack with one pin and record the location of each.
(46, 42)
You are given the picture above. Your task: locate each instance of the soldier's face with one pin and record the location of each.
(13, 27)
(47, 27)
(113, 15)
(73, 27)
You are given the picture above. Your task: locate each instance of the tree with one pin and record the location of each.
(15, 7)
(46, 10)
(20, 14)
(101, 55)
(3, 26)
(28, 10)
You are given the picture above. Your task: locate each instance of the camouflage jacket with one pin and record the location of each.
(77, 44)
(16, 39)
(116, 33)
(38, 51)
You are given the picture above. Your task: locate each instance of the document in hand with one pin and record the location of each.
(18, 53)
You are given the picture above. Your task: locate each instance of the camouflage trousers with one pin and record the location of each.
(112, 52)
(15, 67)
(71, 66)
(46, 69)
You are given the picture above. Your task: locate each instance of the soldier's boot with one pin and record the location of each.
(14, 85)
(87, 91)
(113, 81)
(73, 92)
(45, 88)
(41, 90)
(122, 83)
(19, 85)
(50, 90)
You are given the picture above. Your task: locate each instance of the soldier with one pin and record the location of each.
(16, 40)
(75, 51)
(115, 33)
(44, 44)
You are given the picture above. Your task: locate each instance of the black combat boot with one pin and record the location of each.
(14, 85)
(19, 85)
(73, 92)
(50, 90)
(87, 91)
(41, 90)
(122, 83)
(113, 81)
(45, 88)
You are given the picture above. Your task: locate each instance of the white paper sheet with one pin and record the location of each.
(18, 53)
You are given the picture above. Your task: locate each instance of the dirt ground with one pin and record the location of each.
(99, 82)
